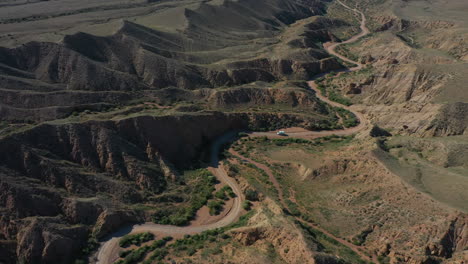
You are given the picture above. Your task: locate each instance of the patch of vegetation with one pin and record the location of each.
(242, 134)
(189, 245)
(330, 91)
(287, 141)
(135, 256)
(349, 119)
(344, 50)
(275, 124)
(251, 195)
(246, 205)
(329, 245)
(383, 259)
(135, 239)
(242, 221)
(157, 255)
(90, 247)
(225, 192)
(382, 144)
(360, 238)
(215, 207)
(336, 97)
(200, 189)
(292, 209)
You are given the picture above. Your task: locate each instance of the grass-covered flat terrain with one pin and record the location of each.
(436, 166)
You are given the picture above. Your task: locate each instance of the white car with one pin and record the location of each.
(281, 133)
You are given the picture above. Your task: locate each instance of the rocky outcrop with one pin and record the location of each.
(109, 221)
(47, 240)
(287, 240)
(451, 120)
(330, 168)
(353, 89)
(43, 81)
(266, 96)
(399, 24)
(81, 175)
(454, 239)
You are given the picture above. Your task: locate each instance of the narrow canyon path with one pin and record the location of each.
(108, 251)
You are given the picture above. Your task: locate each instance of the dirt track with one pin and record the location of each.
(108, 252)
(330, 47)
(267, 170)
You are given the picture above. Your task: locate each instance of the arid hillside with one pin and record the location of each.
(206, 45)
(234, 131)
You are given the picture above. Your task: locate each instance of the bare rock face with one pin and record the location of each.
(455, 239)
(111, 220)
(95, 73)
(250, 236)
(265, 96)
(52, 174)
(85, 212)
(353, 89)
(288, 241)
(46, 240)
(331, 168)
(451, 120)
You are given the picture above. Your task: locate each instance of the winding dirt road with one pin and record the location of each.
(357, 249)
(108, 252)
(330, 48)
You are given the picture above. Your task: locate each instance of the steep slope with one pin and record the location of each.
(277, 41)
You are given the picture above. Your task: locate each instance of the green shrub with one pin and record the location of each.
(135, 239)
(227, 189)
(158, 244)
(191, 251)
(199, 194)
(215, 207)
(135, 256)
(242, 134)
(90, 246)
(221, 195)
(224, 192)
(333, 96)
(382, 144)
(158, 254)
(293, 208)
(125, 253)
(246, 205)
(251, 195)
